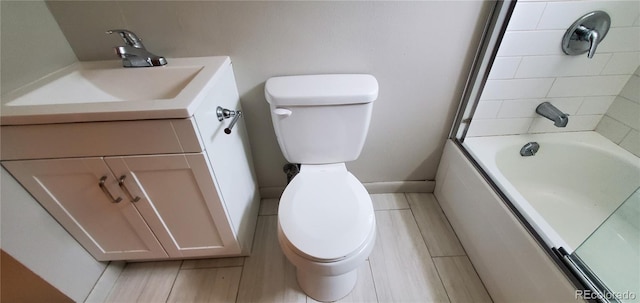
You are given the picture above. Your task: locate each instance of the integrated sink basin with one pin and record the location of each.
(90, 83)
(106, 91)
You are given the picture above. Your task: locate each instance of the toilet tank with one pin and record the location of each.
(320, 119)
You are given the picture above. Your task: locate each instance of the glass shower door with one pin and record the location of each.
(612, 252)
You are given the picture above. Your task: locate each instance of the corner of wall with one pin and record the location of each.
(621, 122)
(32, 44)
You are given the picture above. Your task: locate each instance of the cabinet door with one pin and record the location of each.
(178, 199)
(69, 189)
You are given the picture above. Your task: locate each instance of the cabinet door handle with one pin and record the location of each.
(106, 191)
(126, 190)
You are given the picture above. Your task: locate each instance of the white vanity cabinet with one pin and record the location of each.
(144, 189)
(67, 188)
(146, 201)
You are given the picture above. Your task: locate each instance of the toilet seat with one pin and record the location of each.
(325, 213)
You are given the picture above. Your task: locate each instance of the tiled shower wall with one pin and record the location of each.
(621, 123)
(531, 68)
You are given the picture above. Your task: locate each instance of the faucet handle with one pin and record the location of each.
(128, 37)
(593, 39)
(584, 35)
(590, 35)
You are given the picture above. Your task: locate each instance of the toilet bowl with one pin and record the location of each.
(326, 228)
(326, 223)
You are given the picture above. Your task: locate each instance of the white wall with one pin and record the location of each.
(32, 46)
(621, 123)
(420, 51)
(531, 68)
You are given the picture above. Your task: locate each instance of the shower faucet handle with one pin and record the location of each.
(584, 35)
(590, 35)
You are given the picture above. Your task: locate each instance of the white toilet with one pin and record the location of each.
(326, 223)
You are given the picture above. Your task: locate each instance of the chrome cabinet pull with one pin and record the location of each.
(106, 191)
(126, 190)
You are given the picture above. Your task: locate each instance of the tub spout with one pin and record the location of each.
(552, 113)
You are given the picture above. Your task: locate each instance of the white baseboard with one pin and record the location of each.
(400, 187)
(425, 186)
(273, 192)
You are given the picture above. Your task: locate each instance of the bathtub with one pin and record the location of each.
(573, 183)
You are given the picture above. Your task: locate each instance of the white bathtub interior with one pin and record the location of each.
(568, 189)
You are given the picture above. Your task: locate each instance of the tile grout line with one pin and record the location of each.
(241, 276)
(481, 281)
(427, 246)
(373, 279)
(449, 256)
(474, 270)
(214, 267)
(173, 284)
(253, 242)
(440, 278)
(422, 235)
(114, 281)
(449, 223)
(253, 246)
(463, 249)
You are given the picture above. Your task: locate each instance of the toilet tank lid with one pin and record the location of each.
(332, 89)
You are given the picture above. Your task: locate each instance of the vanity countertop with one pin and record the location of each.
(106, 91)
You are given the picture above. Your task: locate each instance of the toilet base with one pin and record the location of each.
(327, 288)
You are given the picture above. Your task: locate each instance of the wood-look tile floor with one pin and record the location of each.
(417, 258)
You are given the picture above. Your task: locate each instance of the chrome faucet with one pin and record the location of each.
(134, 54)
(552, 113)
